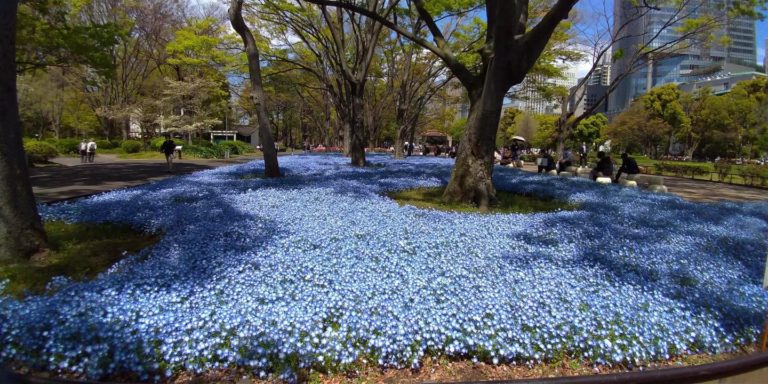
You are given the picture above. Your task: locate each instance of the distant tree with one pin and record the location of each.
(636, 129)
(195, 105)
(508, 126)
(588, 130)
(664, 102)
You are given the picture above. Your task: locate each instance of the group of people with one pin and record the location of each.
(433, 149)
(87, 150)
(603, 168)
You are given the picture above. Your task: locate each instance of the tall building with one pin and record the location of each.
(693, 59)
(528, 98)
(765, 57)
(586, 96)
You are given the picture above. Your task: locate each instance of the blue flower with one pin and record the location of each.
(319, 267)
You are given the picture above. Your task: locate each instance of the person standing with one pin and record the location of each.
(167, 148)
(82, 148)
(91, 149)
(583, 150)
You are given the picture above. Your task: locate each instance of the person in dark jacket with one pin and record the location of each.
(628, 166)
(546, 162)
(167, 148)
(604, 166)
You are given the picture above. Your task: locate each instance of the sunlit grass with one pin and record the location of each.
(507, 202)
(79, 251)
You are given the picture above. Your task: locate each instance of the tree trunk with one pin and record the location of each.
(126, 127)
(471, 179)
(399, 143)
(357, 132)
(271, 166)
(21, 230)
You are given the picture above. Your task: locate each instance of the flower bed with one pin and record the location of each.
(320, 269)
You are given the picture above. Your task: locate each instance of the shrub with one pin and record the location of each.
(39, 151)
(235, 147)
(754, 174)
(723, 169)
(106, 144)
(67, 146)
(214, 152)
(682, 169)
(156, 143)
(131, 146)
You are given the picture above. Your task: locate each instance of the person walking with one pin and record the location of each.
(82, 148)
(167, 148)
(91, 149)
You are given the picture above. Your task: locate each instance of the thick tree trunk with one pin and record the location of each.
(471, 179)
(399, 143)
(357, 131)
(271, 166)
(21, 231)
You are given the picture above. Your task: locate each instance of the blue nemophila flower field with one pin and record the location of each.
(319, 268)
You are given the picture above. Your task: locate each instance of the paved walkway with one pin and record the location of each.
(704, 191)
(69, 179)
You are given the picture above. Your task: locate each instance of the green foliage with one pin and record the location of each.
(589, 129)
(456, 130)
(202, 46)
(214, 152)
(546, 133)
(236, 147)
(723, 169)
(78, 251)
(131, 146)
(679, 169)
(106, 144)
(50, 33)
(67, 146)
(507, 126)
(156, 143)
(663, 102)
(39, 151)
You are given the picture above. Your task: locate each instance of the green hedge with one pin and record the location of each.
(106, 144)
(131, 146)
(214, 152)
(236, 147)
(682, 169)
(39, 151)
(67, 146)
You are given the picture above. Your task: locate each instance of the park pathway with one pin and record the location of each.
(66, 178)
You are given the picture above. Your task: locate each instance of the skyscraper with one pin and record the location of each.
(765, 57)
(732, 42)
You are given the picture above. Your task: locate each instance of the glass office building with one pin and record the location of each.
(692, 59)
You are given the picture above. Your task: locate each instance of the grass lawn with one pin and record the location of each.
(508, 202)
(78, 251)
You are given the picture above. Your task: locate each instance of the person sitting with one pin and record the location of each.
(604, 167)
(545, 163)
(628, 166)
(506, 156)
